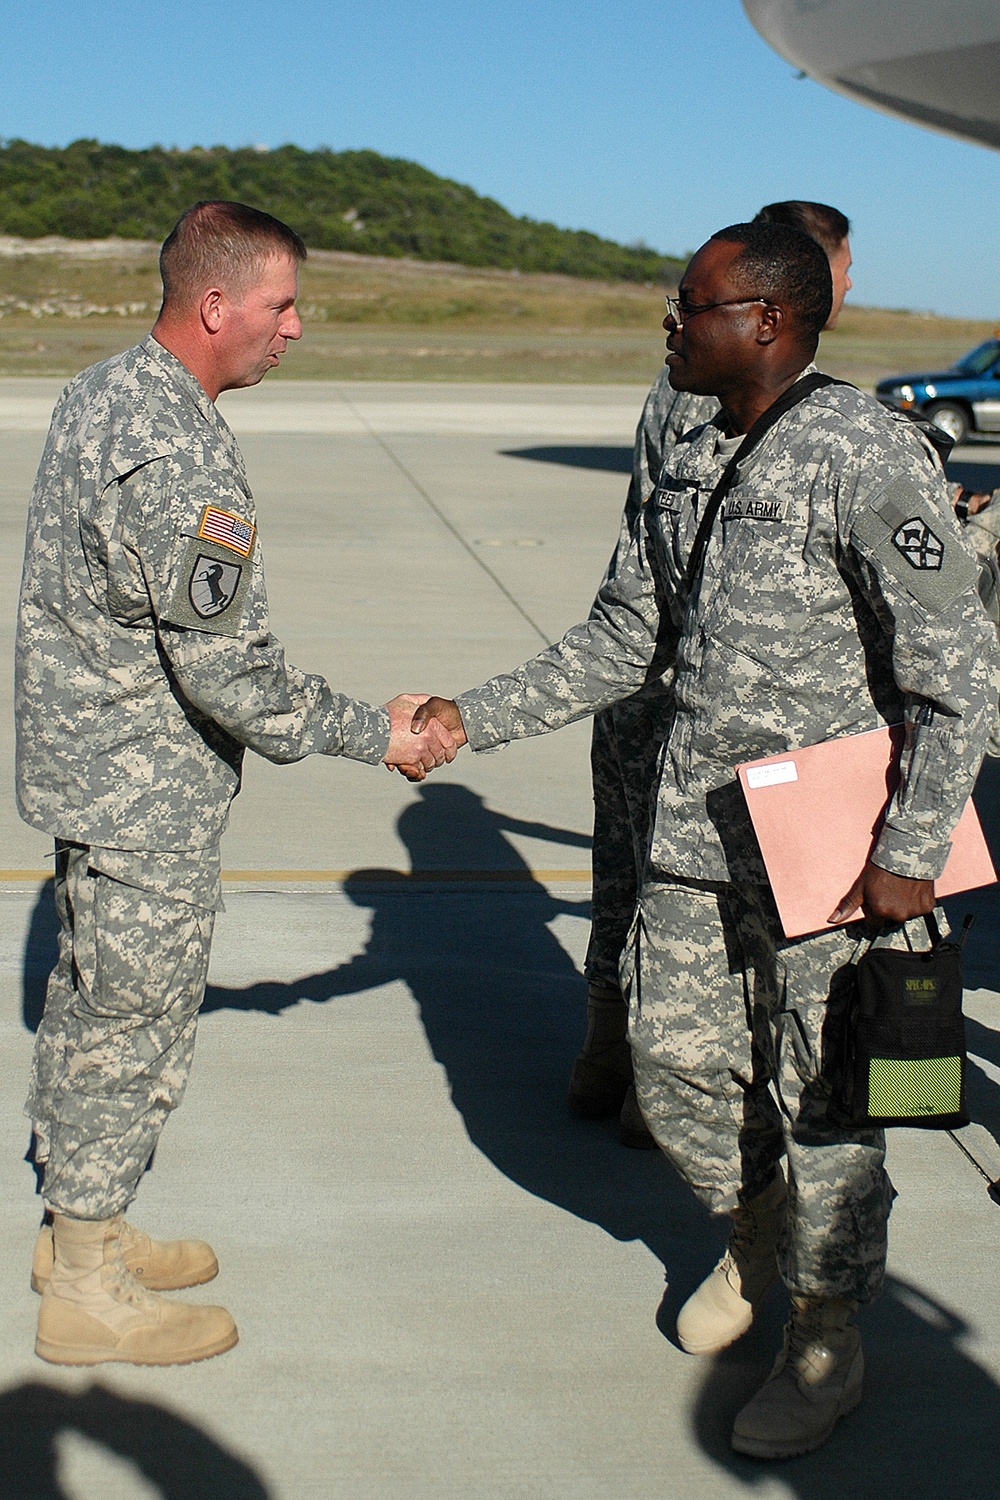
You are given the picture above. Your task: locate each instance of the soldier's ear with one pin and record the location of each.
(770, 323)
(212, 309)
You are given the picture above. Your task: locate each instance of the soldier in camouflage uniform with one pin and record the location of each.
(625, 749)
(835, 594)
(145, 665)
(626, 738)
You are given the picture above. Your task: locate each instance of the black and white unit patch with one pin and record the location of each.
(209, 590)
(212, 586)
(919, 545)
(907, 536)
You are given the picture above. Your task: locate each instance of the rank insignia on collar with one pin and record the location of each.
(228, 529)
(919, 545)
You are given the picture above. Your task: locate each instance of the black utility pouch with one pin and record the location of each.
(901, 1056)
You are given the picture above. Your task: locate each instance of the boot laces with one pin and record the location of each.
(743, 1244)
(751, 1233)
(122, 1285)
(742, 1235)
(132, 1238)
(808, 1349)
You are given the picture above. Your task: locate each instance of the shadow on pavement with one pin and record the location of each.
(983, 1094)
(176, 1459)
(973, 474)
(502, 1005)
(40, 950)
(926, 1428)
(612, 460)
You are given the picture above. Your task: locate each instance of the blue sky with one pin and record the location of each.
(654, 120)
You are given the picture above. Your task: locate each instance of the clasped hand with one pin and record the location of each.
(425, 732)
(428, 731)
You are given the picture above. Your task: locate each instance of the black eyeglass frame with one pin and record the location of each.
(679, 314)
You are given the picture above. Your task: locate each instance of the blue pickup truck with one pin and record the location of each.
(963, 399)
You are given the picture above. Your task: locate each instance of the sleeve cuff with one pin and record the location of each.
(365, 732)
(482, 718)
(910, 855)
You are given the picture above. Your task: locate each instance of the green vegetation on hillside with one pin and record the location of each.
(337, 200)
(66, 303)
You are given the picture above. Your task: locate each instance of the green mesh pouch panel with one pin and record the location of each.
(900, 1088)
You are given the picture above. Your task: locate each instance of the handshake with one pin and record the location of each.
(424, 733)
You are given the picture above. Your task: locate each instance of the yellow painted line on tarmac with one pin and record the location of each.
(332, 877)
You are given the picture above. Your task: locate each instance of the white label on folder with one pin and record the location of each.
(773, 775)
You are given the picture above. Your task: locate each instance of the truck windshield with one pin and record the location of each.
(978, 360)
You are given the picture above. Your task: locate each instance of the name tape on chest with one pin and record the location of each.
(227, 529)
(753, 508)
(672, 495)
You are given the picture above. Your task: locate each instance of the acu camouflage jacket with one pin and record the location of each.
(837, 593)
(144, 661)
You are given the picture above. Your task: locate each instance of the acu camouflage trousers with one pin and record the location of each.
(114, 1048)
(726, 1024)
(624, 754)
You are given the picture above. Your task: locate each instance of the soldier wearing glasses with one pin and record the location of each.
(811, 615)
(626, 738)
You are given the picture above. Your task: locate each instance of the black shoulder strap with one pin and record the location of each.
(795, 393)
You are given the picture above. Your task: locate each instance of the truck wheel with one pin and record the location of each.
(951, 419)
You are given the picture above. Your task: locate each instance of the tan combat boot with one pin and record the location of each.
(94, 1311)
(816, 1380)
(160, 1265)
(603, 1070)
(723, 1307)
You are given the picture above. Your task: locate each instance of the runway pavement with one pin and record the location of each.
(445, 1286)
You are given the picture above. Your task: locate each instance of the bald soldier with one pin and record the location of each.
(145, 667)
(627, 737)
(798, 611)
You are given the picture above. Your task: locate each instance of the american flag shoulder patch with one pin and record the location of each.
(228, 529)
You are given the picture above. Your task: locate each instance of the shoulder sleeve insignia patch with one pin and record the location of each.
(209, 590)
(228, 529)
(212, 585)
(904, 536)
(918, 544)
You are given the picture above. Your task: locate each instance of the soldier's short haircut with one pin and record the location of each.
(786, 267)
(222, 244)
(823, 223)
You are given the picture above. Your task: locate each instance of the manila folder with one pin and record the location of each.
(817, 813)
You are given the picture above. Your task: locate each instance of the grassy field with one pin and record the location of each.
(64, 304)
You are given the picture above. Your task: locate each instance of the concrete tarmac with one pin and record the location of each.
(445, 1286)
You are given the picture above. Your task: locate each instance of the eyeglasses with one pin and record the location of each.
(679, 312)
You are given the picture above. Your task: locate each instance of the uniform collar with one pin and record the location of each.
(181, 377)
